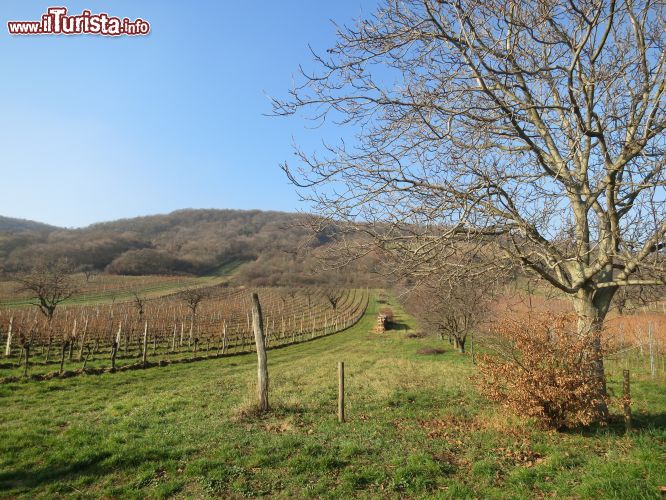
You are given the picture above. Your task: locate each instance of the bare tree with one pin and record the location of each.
(333, 295)
(139, 304)
(193, 297)
(454, 308)
(532, 130)
(89, 272)
(48, 285)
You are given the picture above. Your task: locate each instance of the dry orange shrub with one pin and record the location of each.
(540, 367)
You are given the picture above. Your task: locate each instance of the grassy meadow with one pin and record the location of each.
(416, 428)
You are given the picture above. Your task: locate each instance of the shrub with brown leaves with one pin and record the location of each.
(540, 367)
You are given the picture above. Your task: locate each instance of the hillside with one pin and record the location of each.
(12, 225)
(185, 242)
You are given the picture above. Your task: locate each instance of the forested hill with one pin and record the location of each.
(10, 225)
(183, 242)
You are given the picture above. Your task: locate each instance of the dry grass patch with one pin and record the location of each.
(430, 351)
(416, 335)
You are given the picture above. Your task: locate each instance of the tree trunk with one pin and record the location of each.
(62, 357)
(114, 351)
(85, 361)
(26, 349)
(262, 365)
(48, 348)
(461, 344)
(71, 341)
(591, 309)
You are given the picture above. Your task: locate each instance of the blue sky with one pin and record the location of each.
(97, 128)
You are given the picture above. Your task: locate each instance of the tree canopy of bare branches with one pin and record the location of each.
(139, 304)
(192, 298)
(454, 308)
(333, 295)
(534, 129)
(48, 284)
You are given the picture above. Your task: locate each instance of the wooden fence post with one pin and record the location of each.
(72, 339)
(341, 391)
(262, 366)
(26, 350)
(83, 337)
(173, 339)
(114, 351)
(145, 342)
(8, 349)
(626, 399)
(62, 356)
(120, 330)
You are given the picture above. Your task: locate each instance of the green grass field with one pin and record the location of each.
(416, 428)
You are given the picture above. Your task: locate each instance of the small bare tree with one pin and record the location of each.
(139, 304)
(89, 272)
(48, 285)
(333, 295)
(452, 308)
(193, 298)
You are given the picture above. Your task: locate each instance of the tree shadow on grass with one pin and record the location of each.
(94, 466)
(32, 478)
(397, 326)
(640, 422)
(249, 412)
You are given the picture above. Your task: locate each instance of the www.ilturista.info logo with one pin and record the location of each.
(57, 22)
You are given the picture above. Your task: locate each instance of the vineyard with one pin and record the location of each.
(181, 327)
(635, 340)
(112, 288)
